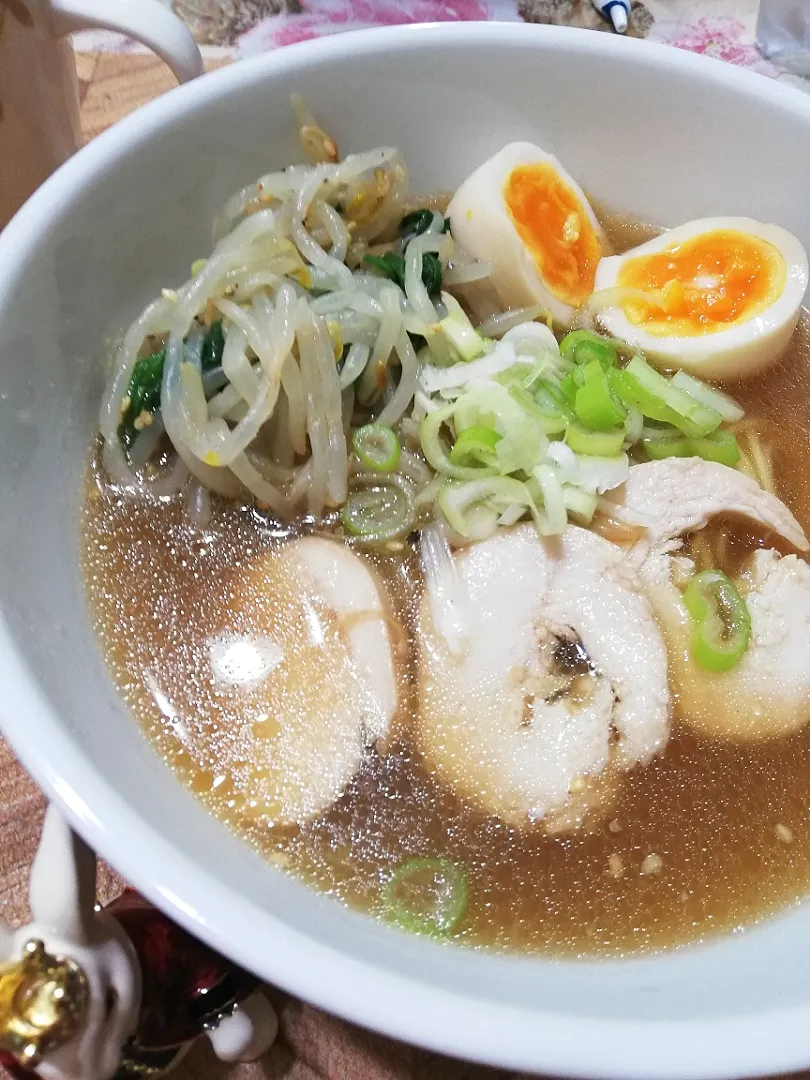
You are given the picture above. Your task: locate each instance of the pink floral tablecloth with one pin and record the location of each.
(237, 28)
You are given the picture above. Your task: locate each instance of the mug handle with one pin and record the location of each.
(148, 21)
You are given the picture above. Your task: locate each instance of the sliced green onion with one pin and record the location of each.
(377, 446)
(552, 421)
(708, 396)
(582, 346)
(722, 621)
(720, 446)
(459, 331)
(634, 426)
(687, 414)
(601, 474)
(475, 444)
(581, 505)
(594, 443)
(549, 395)
(379, 510)
(468, 413)
(472, 508)
(522, 448)
(595, 404)
(466, 340)
(688, 408)
(571, 384)
(635, 395)
(435, 453)
(553, 501)
(426, 896)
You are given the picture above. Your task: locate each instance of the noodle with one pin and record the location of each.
(305, 341)
(316, 412)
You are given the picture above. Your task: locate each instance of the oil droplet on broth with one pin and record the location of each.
(702, 818)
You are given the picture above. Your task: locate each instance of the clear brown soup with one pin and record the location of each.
(728, 829)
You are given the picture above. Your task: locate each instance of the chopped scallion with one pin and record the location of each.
(459, 331)
(708, 396)
(379, 511)
(594, 443)
(660, 400)
(430, 437)
(426, 896)
(720, 446)
(722, 621)
(472, 509)
(475, 445)
(595, 404)
(582, 346)
(552, 421)
(377, 446)
(581, 505)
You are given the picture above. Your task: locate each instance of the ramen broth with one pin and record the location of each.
(708, 837)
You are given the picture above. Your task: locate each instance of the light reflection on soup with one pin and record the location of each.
(708, 837)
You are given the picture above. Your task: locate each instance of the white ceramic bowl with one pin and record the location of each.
(664, 134)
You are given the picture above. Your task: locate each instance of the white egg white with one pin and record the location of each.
(481, 224)
(740, 351)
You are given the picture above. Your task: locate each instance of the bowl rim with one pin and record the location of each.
(191, 894)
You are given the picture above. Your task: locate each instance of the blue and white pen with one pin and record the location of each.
(617, 11)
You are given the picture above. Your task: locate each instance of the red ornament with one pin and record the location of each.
(13, 1069)
(187, 987)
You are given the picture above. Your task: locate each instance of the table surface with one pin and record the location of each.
(113, 81)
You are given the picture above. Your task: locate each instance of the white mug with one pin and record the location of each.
(39, 105)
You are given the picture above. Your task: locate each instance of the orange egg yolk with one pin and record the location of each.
(708, 283)
(555, 229)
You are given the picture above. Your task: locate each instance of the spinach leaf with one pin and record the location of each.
(431, 273)
(418, 222)
(415, 223)
(144, 394)
(213, 344)
(393, 267)
(390, 265)
(147, 376)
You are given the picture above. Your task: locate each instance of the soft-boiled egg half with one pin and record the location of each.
(524, 214)
(719, 297)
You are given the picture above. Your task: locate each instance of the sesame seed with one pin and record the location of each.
(615, 825)
(652, 864)
(783, 833)
(142, 420)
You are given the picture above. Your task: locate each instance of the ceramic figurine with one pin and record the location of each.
(117, 993)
